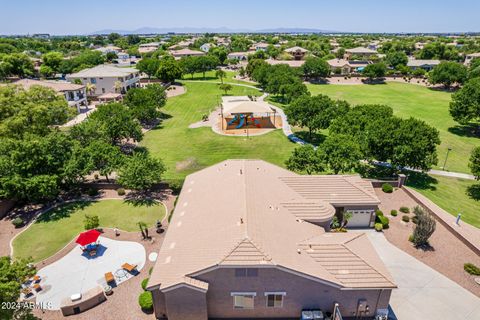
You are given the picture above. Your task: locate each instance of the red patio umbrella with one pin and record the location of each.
(88, 237)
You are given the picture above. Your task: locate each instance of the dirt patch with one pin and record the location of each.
(447, 254)
(187, 164)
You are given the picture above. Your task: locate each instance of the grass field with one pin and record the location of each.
(210, 76)
(409, 100)
(55, 228)
(453, 195)
(185, 150)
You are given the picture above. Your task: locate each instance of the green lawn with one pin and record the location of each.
(409, 100)
(210, 76)
(453, 195)
(185, 150)
(54, 229)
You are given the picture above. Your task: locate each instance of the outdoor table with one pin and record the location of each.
(120, 273)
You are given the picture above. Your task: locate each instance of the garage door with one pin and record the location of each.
(360, 218)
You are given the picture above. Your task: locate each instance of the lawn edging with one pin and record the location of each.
(465, 232)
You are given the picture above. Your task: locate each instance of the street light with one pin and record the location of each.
(446, 157)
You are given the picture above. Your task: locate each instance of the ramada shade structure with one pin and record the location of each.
(87, 237)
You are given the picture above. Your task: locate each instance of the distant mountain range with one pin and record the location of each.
(153, 30)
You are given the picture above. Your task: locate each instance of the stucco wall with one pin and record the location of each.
(301, 293)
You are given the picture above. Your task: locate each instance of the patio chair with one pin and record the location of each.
(37, 287)
(109, 277)
(37, 279)
(130, 268)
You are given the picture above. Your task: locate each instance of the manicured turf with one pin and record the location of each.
(185, 150)
(452, 195)
(409, 100)
(55, 228)
(210, 76)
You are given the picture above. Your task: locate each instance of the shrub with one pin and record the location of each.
(378, 227)
(387, 188)
(144, 283)
(425, 227)
(17, 222)
(405, 218)
(404, 209)
(415, 219)
(150, 270)
(92, 192)
(145, 301)
(471, 269)
(410, 238)
(121, 191)
(95, 176)
(383, 220)
(394, 213)
(91, 222)
(378, 213)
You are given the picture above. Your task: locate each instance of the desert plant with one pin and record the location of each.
(144, 283)
(378, 227)
(150, 270)
(471, 269)
(415, 219)
(378, 212)
(425, 227)
(17, 222)
(383, 220)
(405, 218)
(145, 300)
(121, 191)
(91, 222)
(394, 213)
(387, 188)
(410, 238)
(405, 209)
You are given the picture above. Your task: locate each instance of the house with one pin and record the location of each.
(291, 63)
(206, 47)
(241, 56)
(344, 67)
(297, 53)
(177, 54)
(362, 52)
(75, 94)
(108, 49)
(261, 46)
(148, 47)
(470, 57)
(422, 64)
(107, 78)
(247, 241)
(181, 45)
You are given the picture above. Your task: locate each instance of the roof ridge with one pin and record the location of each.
(248, 240)
(356, 186)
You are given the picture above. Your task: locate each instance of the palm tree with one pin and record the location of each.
(117, 86)
(220, 74)
(91, 88)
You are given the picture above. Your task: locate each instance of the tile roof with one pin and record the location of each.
(252, 213)
(58, 86)
(103, 70)
(360, 50)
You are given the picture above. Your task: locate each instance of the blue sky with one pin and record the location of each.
(86, 16)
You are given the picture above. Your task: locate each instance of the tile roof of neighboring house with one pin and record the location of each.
(249, 213)
(296, 49)
(103, 70)
(238, 54)
(108, 49)
(150, 44)
(338, 63)
(291, 63)
(361, 50)
(59, 86)
(261, 45)
(474, 55)
(419, 62)
(186, 52)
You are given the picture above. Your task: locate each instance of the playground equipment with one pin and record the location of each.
(233, 120)
(242, 122)
(256, 122)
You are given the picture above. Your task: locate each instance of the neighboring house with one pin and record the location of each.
(107, 78)
(186, 53)
(124, 59)
(41, 36)
(298, 53)
(344, 67)
(422, 64)
(291, 63)
(246, 241)
(241, 56)
(180, 45)
(108, 49)
(206, 47)
(75, 94)
(470, 57)
(362, 52)
(261, 46)
(148, 47)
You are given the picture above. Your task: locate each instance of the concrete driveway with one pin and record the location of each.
(423, 293)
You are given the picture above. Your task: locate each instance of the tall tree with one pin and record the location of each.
(474, 163)
(144, 103)
(448, 73)
(169, 69)
(103, 157)
(305, 159)
(374, 71)
(340, 153)
(315, 68)
(140, 172)
(465, 105)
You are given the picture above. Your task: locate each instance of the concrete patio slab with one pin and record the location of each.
(423, 293)
(77, 273)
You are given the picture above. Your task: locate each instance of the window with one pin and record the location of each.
(246, 272)
(93, 80)
(275, 299)
(103, 90)
(243, 300)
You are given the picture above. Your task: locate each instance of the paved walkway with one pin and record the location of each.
(423, 293)
(80, 117)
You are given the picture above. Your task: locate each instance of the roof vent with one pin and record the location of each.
(241, 220)
(241, 172)
(299, 251)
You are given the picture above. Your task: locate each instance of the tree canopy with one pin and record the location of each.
(140, 172)
(448, 73)
(144, 103)
(465, 105)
